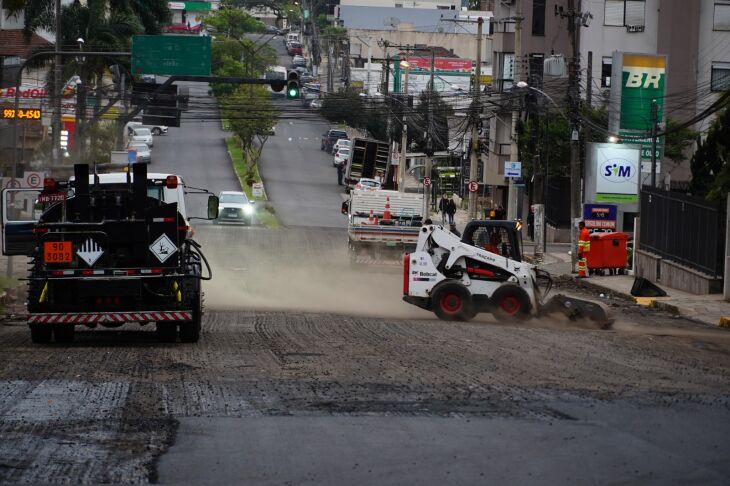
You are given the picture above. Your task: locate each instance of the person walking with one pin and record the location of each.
(340, 172)
(584, 247)
(451, 209)
(443, 208)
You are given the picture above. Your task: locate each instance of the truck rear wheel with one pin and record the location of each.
(510, 303)
(190, 331)
(452, 302)
(40, 333)
(166, 332)
(64, 333)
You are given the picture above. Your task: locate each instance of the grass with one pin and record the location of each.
(267, 216)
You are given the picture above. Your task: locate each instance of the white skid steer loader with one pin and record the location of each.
(484, 272)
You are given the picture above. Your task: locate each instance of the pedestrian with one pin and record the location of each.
(451, 209)
(452, 228)
(340, 172)
(584, 247)
(443, 208)
(501, 216)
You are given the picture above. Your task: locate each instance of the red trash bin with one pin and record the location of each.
(608, 251)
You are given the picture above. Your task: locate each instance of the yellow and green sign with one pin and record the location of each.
(638, 79)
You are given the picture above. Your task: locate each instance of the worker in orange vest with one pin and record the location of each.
(584, 246)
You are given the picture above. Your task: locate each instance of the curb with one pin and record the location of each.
(238, 178)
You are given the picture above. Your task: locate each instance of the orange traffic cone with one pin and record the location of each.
(386, 213)
(370, 218)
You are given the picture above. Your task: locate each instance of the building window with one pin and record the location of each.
(720, 79)
(538, 17)
(721, 20)
(620, 13)
(606, 63)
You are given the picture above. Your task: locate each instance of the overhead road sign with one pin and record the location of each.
(171, 54)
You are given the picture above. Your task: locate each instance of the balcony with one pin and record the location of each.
(503, 36)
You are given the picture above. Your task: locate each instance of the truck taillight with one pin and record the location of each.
(406, 272)
(49, 185)
(171, 182)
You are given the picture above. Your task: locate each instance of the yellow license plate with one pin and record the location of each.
(57, 252)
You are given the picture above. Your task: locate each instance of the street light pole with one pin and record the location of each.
(57, 95)
(474, 128)
(404, 133)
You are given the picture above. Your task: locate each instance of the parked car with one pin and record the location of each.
(341, 156)
(343, 142)
(155, 129)
(143, 135)
(270, 29)
(330, 137)
(301, 69)
(294, 48)
(298, 61)
(234, 206)
(315, 104)
(144, 153)
(368, 184)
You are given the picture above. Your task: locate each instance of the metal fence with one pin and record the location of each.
(684, 229)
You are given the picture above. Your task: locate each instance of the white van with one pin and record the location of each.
(292, 37)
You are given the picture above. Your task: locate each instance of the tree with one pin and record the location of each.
(233, 22)
(251, 116)
(276, 6)
(710, 164)
(345, 106)
(239, 57)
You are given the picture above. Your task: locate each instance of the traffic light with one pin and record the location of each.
(292, 85)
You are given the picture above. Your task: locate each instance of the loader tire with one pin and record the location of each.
(510, 303)
(451, 301)
(40, 333)
(166, 332)
(64, 333)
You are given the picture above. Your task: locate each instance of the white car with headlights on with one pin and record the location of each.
(234, 207)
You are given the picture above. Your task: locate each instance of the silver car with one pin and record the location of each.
(144, 153)
(234, 207)
(143, 135)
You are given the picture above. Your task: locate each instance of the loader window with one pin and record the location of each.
(493, 239)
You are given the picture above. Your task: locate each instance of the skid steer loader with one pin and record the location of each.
(484, 272)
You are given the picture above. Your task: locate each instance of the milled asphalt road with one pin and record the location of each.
(572, 440)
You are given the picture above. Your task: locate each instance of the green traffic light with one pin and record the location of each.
(293, 93)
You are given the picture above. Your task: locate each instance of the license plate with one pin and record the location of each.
(57, 252)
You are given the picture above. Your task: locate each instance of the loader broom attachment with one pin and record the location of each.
(595, 314)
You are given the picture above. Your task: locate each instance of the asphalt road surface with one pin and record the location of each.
(312, 371)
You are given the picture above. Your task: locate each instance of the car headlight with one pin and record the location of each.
(248, 209)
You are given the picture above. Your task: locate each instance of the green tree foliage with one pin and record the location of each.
(345, 106)
(233, 22)
(430, 122)
(249, 110)
(711, 162)
(276, 6)
(678, 141)
(239, 57)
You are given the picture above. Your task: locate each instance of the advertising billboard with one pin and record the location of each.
(636, 81)
(612, 174)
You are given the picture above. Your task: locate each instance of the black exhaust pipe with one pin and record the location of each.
(81, 192)
(139, 188)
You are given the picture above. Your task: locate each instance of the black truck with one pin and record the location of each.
(108, 249)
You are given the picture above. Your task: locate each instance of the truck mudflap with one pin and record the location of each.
(113, 317)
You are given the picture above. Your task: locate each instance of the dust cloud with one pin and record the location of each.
(298, 270)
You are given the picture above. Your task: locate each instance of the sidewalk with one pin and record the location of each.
(709, 309)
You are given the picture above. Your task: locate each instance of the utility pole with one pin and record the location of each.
(654, 127)
(404, 134)
(511, 189)
(575, 20)
(429, 137)
(57, 87)
(476, 110)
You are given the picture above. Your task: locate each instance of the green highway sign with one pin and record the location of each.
(171, 54)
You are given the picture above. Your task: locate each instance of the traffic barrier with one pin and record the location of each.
(582, 268)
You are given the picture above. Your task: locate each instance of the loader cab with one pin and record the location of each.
(501, 237)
